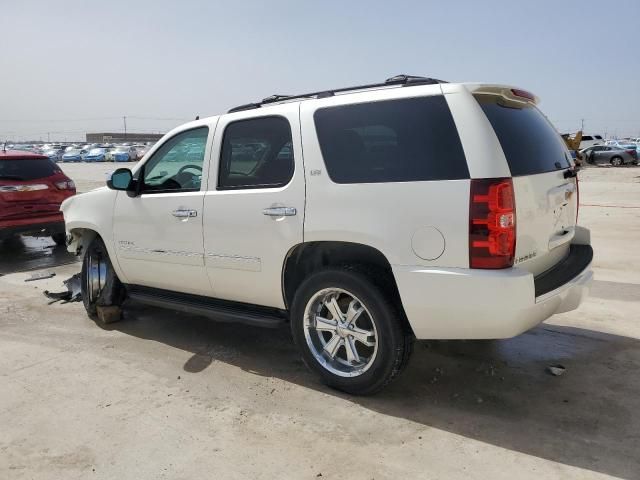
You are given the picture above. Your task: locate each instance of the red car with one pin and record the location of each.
(32, 188)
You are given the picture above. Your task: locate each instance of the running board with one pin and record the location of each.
(219, 310)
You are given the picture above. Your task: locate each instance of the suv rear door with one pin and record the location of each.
(546, 201)
(255, 205)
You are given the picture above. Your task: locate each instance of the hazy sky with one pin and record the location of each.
(74, 66)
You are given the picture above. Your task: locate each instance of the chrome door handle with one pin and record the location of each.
(184, 213)
(280, 211)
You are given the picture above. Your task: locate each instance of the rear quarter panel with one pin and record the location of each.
(386, 216)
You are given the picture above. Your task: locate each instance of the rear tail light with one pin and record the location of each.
(66, 185)
(492, 223)
(523, 94)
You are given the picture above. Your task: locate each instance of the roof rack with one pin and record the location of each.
(403, 80)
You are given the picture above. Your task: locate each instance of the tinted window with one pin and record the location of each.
(28, 169)
(587, 137)
(256, 153)
(177, 164)
(402, 140)
(528, 140)
(598, 137)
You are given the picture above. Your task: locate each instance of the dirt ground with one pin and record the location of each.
(168, 395)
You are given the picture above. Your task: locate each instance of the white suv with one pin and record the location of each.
(365, 217)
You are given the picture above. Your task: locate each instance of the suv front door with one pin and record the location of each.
(254, 209)
(158, 234)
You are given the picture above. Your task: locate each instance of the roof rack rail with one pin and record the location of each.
(403, 80)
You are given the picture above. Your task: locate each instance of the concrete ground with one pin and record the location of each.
(168, 395)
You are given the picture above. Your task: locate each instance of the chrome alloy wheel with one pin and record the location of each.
(96, 275)
(340, 332)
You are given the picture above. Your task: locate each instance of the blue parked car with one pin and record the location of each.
(74, 155)
(96, 155)
(121, 154)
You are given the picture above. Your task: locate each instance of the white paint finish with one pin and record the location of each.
(480, 304)
(543, 213)
(428, 243)
(234, 262)
(382, 215)
(154, 248)
(480, 143)
(236, 227)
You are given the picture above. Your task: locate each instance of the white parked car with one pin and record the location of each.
(364, 217)
(591, 140)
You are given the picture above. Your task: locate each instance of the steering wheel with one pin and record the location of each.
(185, 167)
(184, 179)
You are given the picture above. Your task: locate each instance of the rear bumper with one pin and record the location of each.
(39, 226)
(486, 304)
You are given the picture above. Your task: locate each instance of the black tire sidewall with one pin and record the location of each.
(391, 338)
(113, 291)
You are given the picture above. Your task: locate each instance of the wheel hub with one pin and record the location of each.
(340, 332)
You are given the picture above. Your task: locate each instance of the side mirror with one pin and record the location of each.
(121, 179)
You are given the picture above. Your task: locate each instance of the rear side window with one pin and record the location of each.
(528, 140)
(256, 153)
(27, 169)
(405, 140)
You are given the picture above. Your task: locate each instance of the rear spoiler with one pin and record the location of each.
(511, 94)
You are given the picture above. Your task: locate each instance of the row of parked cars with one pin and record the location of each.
(93, 152)
(612, 152)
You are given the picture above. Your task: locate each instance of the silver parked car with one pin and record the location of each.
(609, 154)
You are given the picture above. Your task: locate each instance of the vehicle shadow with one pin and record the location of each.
(496, 392)
(24, 253)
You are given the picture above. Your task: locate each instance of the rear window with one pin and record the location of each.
(403, 140)
(530, 144)
(27, 169)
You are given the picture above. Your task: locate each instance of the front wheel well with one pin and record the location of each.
(81, 238)
(307, 258)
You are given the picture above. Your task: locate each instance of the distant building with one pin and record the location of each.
(112, 137)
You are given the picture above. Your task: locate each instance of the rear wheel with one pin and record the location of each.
(100, 284)
(616, 161)
(348, 331)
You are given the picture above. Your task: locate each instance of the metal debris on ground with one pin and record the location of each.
(73, 293)
(556, 370)
(40, 276)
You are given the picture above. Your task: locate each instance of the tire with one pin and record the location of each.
(109, 291)
(616, 161)
(60, 239)
(377, 362)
